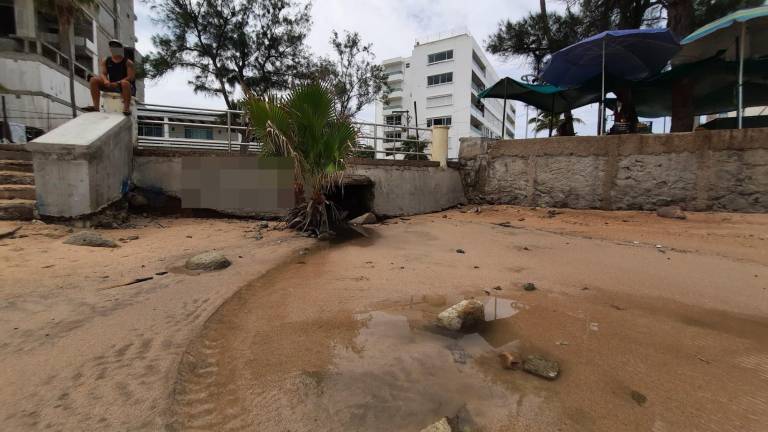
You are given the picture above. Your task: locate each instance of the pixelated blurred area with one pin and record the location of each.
(223, 183)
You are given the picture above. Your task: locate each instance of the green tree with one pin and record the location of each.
(544, 119)
(255, 45)
(65, 11)
(307, 126)
(354, 77)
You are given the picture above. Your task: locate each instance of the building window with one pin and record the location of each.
(479, 63)
(150, 130)
(394, 119)
(437, 101)
(390, 137)
(407, 65)
(7, 20)
(198, 133)
(439, 57)
(439, 121)
(443, 78)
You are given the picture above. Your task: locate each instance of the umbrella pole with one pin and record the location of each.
(601, 122)
(552, 115)
(504, 112)
(741, 73)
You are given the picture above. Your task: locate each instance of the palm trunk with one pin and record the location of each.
(680, 21)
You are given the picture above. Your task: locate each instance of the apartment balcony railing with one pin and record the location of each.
(43, 49)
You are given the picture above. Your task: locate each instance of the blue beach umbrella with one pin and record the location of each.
(742, 34)
(624, 54)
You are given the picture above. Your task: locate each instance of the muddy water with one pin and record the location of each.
(343, 340)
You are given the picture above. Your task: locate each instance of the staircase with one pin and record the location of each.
(17, 183)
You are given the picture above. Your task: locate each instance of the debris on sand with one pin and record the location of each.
(463, 315)
(671, 212)
(460, 251)
(541, 367)
(91, 239)
(529, 286)
(365, 219)
(638, 397)
(9, 232)
(440, 426)
(552, 213)
(208, 261)
(263, 225)
(509, 360)
(506, 224)
(326, 235)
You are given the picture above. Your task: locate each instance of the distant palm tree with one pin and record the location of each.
(305, 125)
(542, 122)
(65, 11)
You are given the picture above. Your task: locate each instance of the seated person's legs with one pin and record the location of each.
(97, 84)
(126, 90)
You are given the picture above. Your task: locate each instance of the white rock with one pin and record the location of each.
(366, 219)
(208, 261)
(440, 426)
(462, 315)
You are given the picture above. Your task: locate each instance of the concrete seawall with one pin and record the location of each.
(705, 170)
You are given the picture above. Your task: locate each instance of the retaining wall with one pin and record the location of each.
(703, 170)
(399, 187)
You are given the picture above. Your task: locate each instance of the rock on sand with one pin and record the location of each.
(207, 261)
(366, 219)
(539, 366)
(672, 212)
(440, 426)
(90, 238)
(462, 315)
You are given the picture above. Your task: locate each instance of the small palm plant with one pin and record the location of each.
(306, 126)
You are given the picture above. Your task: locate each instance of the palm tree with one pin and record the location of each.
(543, 121)
(306, 125)
(65, 11)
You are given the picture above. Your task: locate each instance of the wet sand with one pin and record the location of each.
(343, 338)
(78, 353)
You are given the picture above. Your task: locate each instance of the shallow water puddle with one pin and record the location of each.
(400, 374)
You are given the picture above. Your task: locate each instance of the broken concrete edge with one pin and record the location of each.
(79, 136)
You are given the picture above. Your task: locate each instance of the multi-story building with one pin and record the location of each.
(34, 74)
(438, 85)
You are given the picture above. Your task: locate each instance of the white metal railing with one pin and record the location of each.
(381, 140)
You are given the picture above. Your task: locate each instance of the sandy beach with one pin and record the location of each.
(657, 324)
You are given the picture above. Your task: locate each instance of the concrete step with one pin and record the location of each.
(15, 191)
(14, 152)
(16, 165)
(17, 209)
(16, 178)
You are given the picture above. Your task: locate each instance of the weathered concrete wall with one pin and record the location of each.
(704, 170)
(83, 165)
(410, 187)
(400, 187)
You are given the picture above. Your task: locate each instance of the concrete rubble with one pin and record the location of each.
(462, 315)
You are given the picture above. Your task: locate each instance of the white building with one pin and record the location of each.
(34, 74)
(442, 77)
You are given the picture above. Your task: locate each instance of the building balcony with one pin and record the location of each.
(395, 93)
(394, 77)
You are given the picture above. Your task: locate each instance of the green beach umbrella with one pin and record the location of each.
(742, 34)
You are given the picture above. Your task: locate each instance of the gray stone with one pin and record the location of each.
(366, 219)
(137, 200)
(671, 212)
(90, 238)
(462, 316)
(638, 397)
(264, 225)
(440, 426)
(529, 286)
(208, 261)
(541, 367)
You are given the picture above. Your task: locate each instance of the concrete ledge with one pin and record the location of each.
(392, 162)
(81, 135)
(83, 165)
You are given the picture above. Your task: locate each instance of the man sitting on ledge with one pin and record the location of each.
(116, 75)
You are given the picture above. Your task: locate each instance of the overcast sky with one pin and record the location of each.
(390, 25)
